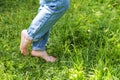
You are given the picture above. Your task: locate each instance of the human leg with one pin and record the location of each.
(45, 19)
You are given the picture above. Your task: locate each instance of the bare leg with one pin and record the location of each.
(25, 42)
(44, 55)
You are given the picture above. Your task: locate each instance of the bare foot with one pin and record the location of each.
(25, 42)
(44, 55)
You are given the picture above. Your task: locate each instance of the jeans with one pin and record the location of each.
(49, 13)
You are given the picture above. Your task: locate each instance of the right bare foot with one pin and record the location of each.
(44, 55)
(25, 42)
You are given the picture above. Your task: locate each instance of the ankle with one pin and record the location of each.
(27, 39)
(39, 53)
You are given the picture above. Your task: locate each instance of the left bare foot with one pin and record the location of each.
(44, 55)
(25, 42)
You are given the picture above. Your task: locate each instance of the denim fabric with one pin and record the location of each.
(49, 12)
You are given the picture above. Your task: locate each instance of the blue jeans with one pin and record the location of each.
(49, 12)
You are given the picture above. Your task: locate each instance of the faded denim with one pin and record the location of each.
(49, 12)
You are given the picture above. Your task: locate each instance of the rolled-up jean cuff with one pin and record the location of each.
(31, 38)
(38, 49)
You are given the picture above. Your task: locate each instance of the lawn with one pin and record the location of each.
(86, 42)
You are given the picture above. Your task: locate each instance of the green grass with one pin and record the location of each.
(86, 41)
